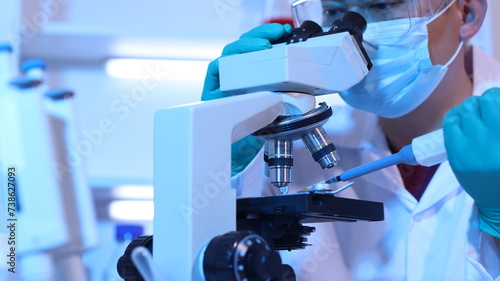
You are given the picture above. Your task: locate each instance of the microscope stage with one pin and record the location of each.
(310, 208)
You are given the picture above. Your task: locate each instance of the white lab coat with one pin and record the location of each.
(436, 238)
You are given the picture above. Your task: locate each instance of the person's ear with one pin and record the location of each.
(473, 13)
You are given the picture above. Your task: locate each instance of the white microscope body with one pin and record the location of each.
(194, 201)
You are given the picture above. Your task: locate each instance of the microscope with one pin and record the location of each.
(202, 231)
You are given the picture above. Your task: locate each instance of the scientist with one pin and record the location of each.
(441, 222)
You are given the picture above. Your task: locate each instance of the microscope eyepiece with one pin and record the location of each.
(308, 27)
(351, 22)
(304, 31)
(350, 19)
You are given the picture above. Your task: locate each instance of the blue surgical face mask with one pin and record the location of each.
(403, 76)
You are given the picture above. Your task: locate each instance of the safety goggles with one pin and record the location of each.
(325, 12)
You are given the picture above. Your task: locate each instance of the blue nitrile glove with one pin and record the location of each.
(244, 150)
(472, 140)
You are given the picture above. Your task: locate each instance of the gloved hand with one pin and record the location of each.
(472, 141)
(244, 150)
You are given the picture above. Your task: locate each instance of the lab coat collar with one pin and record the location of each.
(368, 138)
(442, 187)
(390, 177)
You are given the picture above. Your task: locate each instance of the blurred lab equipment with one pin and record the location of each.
(124, 234)
(278, 11)
(28, 145)
(74, 188)
(143, 260)
(52, 196)
(7, 64)
(137, 266)
(219, 237)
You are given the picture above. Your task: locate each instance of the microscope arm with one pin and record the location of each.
(194, 201)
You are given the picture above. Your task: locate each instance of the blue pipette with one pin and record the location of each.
(426, 150)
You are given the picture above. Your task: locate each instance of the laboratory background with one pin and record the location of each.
(80, 82)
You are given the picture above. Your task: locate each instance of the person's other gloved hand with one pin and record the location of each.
(259, 38)
(472, 141)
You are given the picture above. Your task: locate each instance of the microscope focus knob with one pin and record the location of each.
(243, 255)
(125, 267)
